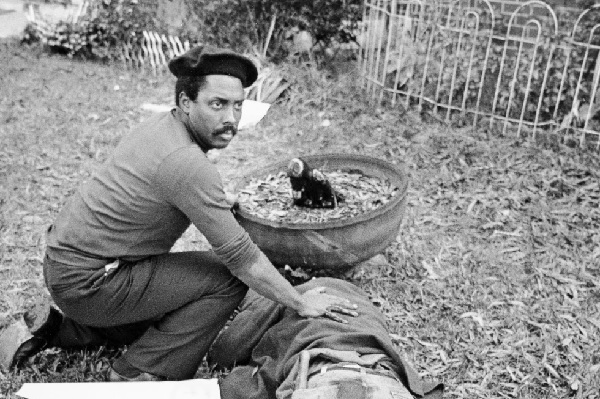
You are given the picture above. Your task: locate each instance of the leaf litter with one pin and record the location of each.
(269, 197)
(500, 232)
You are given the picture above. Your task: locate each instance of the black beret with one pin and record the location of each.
(209, 60)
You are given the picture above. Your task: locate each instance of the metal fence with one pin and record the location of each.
(151, 51)
(465, 63)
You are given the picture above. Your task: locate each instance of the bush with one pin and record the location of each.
(100, 33)
(248, 22)
(243, 25)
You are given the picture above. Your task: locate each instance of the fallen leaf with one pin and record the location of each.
(475, 316)
(430, 271)
(551, 370)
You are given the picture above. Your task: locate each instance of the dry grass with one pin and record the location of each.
(493, 285)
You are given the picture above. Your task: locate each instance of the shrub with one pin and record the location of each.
(239, 24)
(245, 24)
(99, 34)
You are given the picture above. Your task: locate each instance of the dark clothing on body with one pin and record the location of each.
(265, 339)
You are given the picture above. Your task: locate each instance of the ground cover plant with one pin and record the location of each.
(492, 285)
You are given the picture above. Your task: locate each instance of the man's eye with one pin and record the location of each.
(237, 106)
(216, 105)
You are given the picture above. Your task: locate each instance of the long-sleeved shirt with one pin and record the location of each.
(144, 197)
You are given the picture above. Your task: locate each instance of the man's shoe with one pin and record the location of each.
(113, 376)
(43, 321)
(26, 337)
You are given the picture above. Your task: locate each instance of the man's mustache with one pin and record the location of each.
(227, 129)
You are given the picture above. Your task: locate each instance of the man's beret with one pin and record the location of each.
(209, 60)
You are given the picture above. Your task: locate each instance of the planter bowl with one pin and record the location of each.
(337, 244)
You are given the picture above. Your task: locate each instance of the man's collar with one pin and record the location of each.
(180, 115)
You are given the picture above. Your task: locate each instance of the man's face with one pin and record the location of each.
(215, 114)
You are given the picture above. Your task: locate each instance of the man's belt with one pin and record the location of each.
(354, 367)
(304, 372)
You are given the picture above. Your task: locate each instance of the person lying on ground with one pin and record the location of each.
(274, 353)
(108, 264)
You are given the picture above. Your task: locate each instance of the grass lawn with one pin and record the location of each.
(492, 286)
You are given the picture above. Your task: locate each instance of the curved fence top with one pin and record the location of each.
(459, 58)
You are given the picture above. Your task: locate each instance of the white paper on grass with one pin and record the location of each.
(189, 389)
(157, 107)
(252, 112)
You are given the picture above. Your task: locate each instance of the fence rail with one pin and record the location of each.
(463, 62)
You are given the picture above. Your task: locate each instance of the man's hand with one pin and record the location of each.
(263, 278)
(317, 303)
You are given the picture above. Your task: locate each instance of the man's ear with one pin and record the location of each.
(184, 102)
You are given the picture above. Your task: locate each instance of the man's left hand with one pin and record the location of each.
(317, 303)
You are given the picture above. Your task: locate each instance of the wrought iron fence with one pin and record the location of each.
(463, 62)
(151, 51)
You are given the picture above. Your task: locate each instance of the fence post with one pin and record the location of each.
(386, 17)
(432, 33)
(161, 54)
(362, 64)
(392, 16)
(413, 37)
(443, 60)
(486, 60)
(543, 89)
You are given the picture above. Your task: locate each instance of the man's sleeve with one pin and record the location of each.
(188, 181)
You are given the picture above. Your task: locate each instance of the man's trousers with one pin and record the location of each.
(168, 308)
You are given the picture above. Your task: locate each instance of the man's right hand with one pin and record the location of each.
(317, 303)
